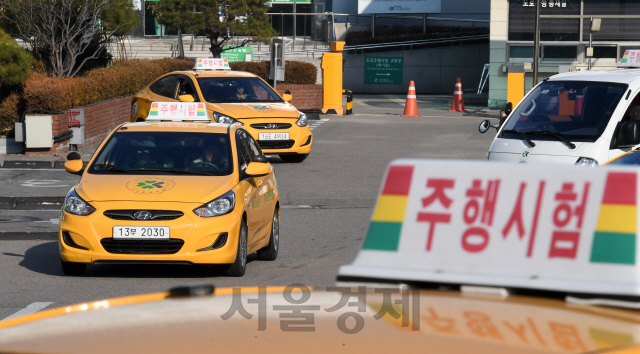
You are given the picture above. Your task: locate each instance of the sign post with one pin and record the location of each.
(276, 66)
(383, 70)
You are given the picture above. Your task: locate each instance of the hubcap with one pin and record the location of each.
(276, 232)
(243, 247)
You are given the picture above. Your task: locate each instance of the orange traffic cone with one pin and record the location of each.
(458, 102)
(411, 107)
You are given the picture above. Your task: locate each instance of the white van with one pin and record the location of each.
(584, 118)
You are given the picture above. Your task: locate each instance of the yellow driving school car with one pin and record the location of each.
(234, 97)
(176, 188)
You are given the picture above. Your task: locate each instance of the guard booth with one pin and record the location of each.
(276, 66)
(332, 79)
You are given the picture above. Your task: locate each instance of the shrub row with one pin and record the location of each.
(386, 34)
(295, 72)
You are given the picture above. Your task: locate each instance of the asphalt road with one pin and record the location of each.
(327, 204)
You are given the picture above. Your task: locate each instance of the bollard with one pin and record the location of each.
(349, 102)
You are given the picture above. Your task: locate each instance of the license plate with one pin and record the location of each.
(141, 232)
(273, 136)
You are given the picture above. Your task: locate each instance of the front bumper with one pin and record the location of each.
(300, 138)
(196, 232)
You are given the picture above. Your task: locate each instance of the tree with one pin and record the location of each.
(218, 20)
(67, 34)
(15, 62)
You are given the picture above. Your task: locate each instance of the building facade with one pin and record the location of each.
(564, 38)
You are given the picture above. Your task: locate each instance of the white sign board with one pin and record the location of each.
(552, 227)
(178, 111)
(211, 64)
(631, 58)
(399, 6)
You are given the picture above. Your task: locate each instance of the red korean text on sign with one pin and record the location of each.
(164, 109)
(173, 109)
(516, 218)
(478, 214)
(192, 110)
(566, 236)
(438, 194)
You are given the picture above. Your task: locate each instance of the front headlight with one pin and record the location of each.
(73, 204)
(221, 118)
(224, 204)
(302, 121)
(586, 161)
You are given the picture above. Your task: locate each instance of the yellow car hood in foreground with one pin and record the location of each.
(255, 110)
(154, 188)
(303, 320)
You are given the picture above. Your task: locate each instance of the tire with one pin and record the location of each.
(239, 266)
(294, 158)
(270, 253)
(72, 268)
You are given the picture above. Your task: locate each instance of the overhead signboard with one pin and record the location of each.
(399, 6)
(383, 70)
(211, 64)
(549, 227)
(289, 2)
(178, 111)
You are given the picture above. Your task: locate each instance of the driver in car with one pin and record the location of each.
(212, 156)
(240, 95)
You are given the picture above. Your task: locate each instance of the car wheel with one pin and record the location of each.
(270, 253)
(237, 268)
(72, 268)
(294, 158)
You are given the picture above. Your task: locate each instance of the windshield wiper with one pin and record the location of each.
(521, 135)
(170, 169)
(106, 166)
(555, 135)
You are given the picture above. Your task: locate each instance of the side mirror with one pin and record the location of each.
(186, 98)
(73, 156)
(257, 169)
(485, 125)
(287, 97)
(508, 108)
(629, 134)
(260, 158)
(74, 167)
(287, 92)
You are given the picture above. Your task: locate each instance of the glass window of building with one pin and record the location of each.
(560, 52)
(522, 16)
(613, 29)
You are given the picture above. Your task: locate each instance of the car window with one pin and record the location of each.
(186, 87)
(253, 146)
(166, 86)
(176, 153)
(575, 110)
(236, 89)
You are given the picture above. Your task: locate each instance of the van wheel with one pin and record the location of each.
(238, 268)
(294, 158)
(72, 268)
(270, 253)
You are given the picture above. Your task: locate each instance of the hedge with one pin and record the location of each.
(123, 78)
(295, 72)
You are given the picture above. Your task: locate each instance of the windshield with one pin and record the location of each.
(175, 153)
(236, 89)
(574, 110)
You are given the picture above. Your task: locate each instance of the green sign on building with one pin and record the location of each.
(383, 70)
(237, 54)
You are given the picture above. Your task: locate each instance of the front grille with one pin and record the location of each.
(156, 214)
(170, 246)
(271, 126)
(276, 144)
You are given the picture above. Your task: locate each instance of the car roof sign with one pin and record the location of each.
(630, 59)
(211, 64)
(178, 112)
(526, 226)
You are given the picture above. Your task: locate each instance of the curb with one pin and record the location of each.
(31, 203)
(28, 236)
(34, 165)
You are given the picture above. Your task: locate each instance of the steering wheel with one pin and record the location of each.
(203, 165)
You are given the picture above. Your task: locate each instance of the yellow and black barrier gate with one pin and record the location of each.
(349, 102)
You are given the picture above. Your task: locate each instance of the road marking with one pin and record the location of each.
(43, 183)
(318, 123)
(394, 99)
(32, 308)
(54, 221)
